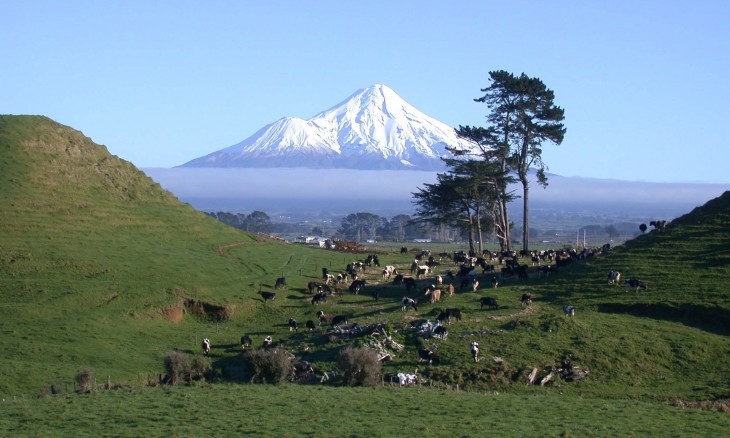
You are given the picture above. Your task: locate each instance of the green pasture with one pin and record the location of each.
(97, 263)
(299, 410)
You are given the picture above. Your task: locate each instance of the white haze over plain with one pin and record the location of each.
(314, 184)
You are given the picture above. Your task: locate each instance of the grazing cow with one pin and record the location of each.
(569, 310)
(324, 317)
(406, 379)
(527, 299)
(312, 286)
(293, 325)
(489, 302)
(268, 342)
(410, 284)
(310, 325)
(408, 303)
(321, 297)
(267, 296)
(245, 341)
(329, 278)
(425, 355)
(356, 285)
(422, 271)
(435, 293)
(398, 279)
(280, 282)
(474, 348)
(339, 319)
(447, 314)
(614, 277)
(441, 332)
(206, 346)
(633, 282)
(389, 271)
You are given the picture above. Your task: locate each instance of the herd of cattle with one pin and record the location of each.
(422, 282)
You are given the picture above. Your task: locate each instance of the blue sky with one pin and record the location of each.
(644, 84)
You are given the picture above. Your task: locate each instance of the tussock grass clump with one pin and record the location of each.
(360, 366)
(183, 368)
(85, 380)
(268, 366)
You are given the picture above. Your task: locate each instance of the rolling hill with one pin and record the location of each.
(91, 250)
(101, 268)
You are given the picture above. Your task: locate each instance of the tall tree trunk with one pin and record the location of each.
(479, 227)
(525, 222)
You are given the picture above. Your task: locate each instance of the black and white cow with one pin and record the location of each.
(490, 302)
(268, 342)
(634, 283)
(320, 297)
(474, 348)
(293, 325)
(408, 303)
(426, 355)
(280, 283)
(410, 284)
(206, 346)
(245, 341)
(440, 332)
(310, 325)
(339, 319)
(527, 299)
(614, 277)
(569, 310)
(356, 285)
(267, 296)
(447, 314)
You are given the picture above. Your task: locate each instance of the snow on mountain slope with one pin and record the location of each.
(372, 129)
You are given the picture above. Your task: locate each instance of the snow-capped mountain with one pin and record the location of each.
(373, 129)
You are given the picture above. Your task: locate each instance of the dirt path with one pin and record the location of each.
(524, 312)
(219, 249)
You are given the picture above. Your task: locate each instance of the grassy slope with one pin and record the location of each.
(92, 253)
(90, 250)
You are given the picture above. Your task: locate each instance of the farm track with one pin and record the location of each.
(220, 248)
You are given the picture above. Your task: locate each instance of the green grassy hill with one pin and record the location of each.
(97, 263)
(92, 254)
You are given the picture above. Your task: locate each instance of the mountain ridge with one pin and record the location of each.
(373, 129)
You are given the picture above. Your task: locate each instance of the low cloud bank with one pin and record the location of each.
(387, 185)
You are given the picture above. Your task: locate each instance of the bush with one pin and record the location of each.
(268, 366)
(85, 380)
(182, 369)
(360, 366)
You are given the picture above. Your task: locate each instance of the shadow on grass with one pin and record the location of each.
(711, 319)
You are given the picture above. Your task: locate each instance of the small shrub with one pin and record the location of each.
(85, 380)
(360, 366)
(268, 366)
(181, 368)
